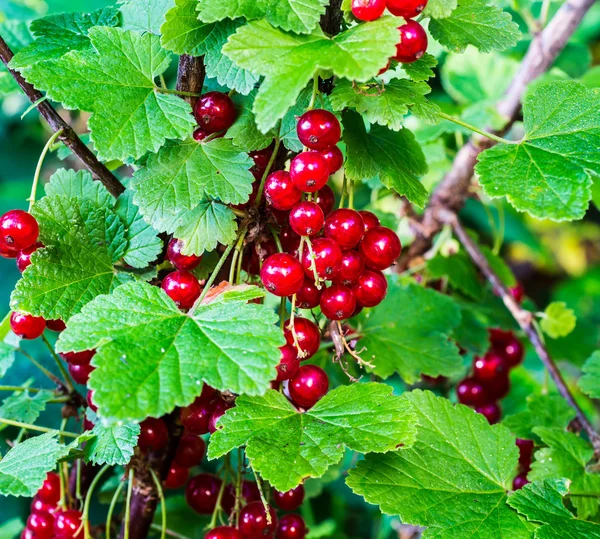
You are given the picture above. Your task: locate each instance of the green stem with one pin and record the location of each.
(262, 494)
(313, 97)
(491, 136)
(111, 508)
(128, 505)
(163, 83)
(59, 363)
(217, 509)
(344, 192)
(351, 195)
(40, 367)
(36, 428)
(175, 92)
(238, 249)
(267, 171)
(19, 388)
(38, 169)
(163, 506)
(85, 517)
(170, 533)
(276, 238)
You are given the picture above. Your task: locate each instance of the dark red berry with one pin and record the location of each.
(78, 358)
(41, 524)
(368, 10)
(178, 259)
(223, 532)
(308, 296)
(290, 241)
(154, 434)
(308, 386)
(306, 218)
(319, 129)
(27, 326)
(24, 256)
(87, 424)
(413, 42)
(472, 393)
(182, 287)
(177, 477)
(250, 491)
(518, 292)
(38, 506)
(407, 9)
(199, 134)
(67, 524)
(208, 393)
(308, 335)
(380, 248)
(214, 111)
(7, 252)
(309, 171)
(499, 337)
(288, 364)
(489, 367)
(345, 227)
(80, 373)
(202, 492)
(90, 400)
(280, 191)
(261, 159)
(291, 526)
(525, 452)
(190, 452)
(56, 325)
(491, 412)
(195, 417)
(18, 230)
(326, 199)
(497, 388)
(370, 288)
(326, 257)
(290, 500)
(384, 68)
(334, 158)
(253, 521)
(512, 352)
(218, 412)
(351, 268)
(370, 220)
(338, 302)
(520, 481)
(49, 492)
(282, 274)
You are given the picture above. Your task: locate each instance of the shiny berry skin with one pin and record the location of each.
(491, 412)
(218, 412)
(291, 526)
(56, 325)
(190, 452)
(182, 287)
(7, 252)
(306, 218)
(18, 230)
(49, 492)
(24, 256)
(27, 326)
(327, 258)
(517, 292)
(309, 171)
(351, 268)
(413, 42)
(489, 367)
(67, 523)
(525, 452)
(290, 500)
(326, 199)
(407, 9)
(308, 335)
(288, 364)
(520, 481)
(338, 302)
(370, 288)
(309, 295)
(380, 248)
(280, 191)
(368, 10)
(80, 373)
(42, 524)
(253, 521)
(282, 274)
(370, 220)
(214, 112)
(308, 386)
(202, 492)
(318, 129)
(345, 227)
(290, 241)
(223, 532)
(177, 477)
(154, 434)
(497, 388)
(78, 358)
(334, 158)
(178, 259)
(513, 352)
(472, 393)
(38, 506)
(199, 134)
(195, 417)
(261, 160)
(250, 491)
(90, 400)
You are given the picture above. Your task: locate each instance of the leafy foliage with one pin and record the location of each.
(113, 443)
(558, 320)
(590, 381)
(21, 406)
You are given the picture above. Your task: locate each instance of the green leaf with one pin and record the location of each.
(152, 357)
(288, 62)
(472, 333)
(82, 244)
(144, 15)
(542, 501)
(416, 342)
(546, 173)
(589, 383)
(558, 320)
(300, 16)
(23, 469)
(21, 406)
(244, 133)
(438, 9)
(452, 480)
(113, 444)
(9, 343)
(116, 83)
(422, 69)
(395, 157)
(475, 22)
(364, 417)
(460, 272)
(79, 184)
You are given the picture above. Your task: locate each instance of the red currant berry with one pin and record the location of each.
(218, 412)
(309, 171)
(370, 220)
(190, 452)
(338, 302)
(49, 492)
(214, 112)
(345, 227)
(18, 230)
(7, 252)
(308, 335)
(195, 417)
(282, 274)
(199, 134)
(472, 393)
(154, 434)
(384, 68)
(223, 532)
(290, 500)
(370, 288)
(306, 218)
(497, 388)
(250, 491)
(518, 292)
(491, 412)
(261, 159)
(334, 158)
(90, 400)
(326, 257)
(78, 358)
(56, 325)
(27, 326)
(80, 373)
(368, 10)
(520, 481)
(326, 199)
(42, 525)
(489, 367)
(290, 241)
(525, 452)
(291, 526)
(38, 506)
(280, 191)
(178, 259)
(513, 352)
(253, 521)
(413, 42)
(24, 256)
(380, 248)
(351, 268)
(288, 364)
(319, 129)
(202, 492)
(308, 296)
(66, 525)
(177, 477)
(407, 9)
(208, 394)
(87, 424)
(308, 386)
(182, 287)
(499, 337)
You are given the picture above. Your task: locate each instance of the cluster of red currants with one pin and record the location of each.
(525, 454)
(413, 38)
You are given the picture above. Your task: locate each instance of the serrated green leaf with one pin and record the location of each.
(546, 173)
(364, 417)
(416, 342)
(452, 480)
(589, 383)
(115, 82)
(152, 357)
(460, 272)
(542, 501)
(395, 157)
(438, 9)
(82, 244)
(244, 133)
(17, 36)
(422, 69)
(9, 343)
(472, 333)
(79, 184)
(571, 529)
(558, 320)
(144, 15)
(23, 469)
(113, 444)
(289, 61)
(477, 23)
(300, 16)
(21, 406)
